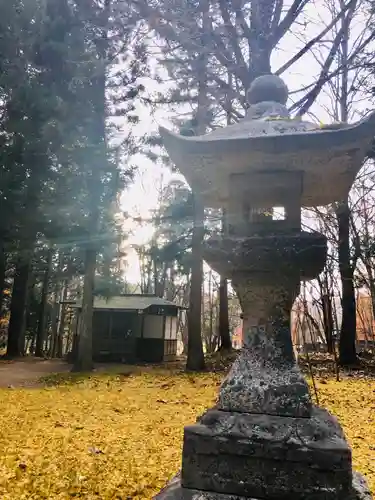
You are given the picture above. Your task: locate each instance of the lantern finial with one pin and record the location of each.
(268, 88)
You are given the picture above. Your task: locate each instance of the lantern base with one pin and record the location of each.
(174, 491)
(267, 456)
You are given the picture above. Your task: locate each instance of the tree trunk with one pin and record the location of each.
(372, 294)
(185, 320)
(71, 331)
(260, 15)
(195, 355)
(184, 337)
(55, 316)
(328, 322)
(61, 329)
(213, 341)
(99, 166)
(171, 287)
(225, 340)
(32, 344)
(3, 267)
(347, 347)
(83, 359)
(22, 338)
(40, 336)
(203, 315)
(18, 306)
(57, 309)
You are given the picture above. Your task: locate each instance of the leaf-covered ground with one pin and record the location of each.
(119, 436)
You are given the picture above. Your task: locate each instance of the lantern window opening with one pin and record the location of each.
(278, 213)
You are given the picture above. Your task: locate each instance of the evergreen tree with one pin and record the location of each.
(60, 175)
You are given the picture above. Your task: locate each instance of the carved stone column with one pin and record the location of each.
(265, 377)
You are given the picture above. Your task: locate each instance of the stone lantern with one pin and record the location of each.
(265, 439)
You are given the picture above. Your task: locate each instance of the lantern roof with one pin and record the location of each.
(268, 140)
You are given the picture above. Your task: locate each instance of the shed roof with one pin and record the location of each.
(130, 302)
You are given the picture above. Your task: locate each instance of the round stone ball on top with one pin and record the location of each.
(269, 88)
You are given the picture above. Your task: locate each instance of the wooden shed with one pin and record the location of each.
(134, 328)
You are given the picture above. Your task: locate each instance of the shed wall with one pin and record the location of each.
(115, 334)
(153, 326)
(130, 337)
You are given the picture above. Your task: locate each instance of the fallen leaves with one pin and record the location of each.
(114, 437)
(353, 401)
(56, 432)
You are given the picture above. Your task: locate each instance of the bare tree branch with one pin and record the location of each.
(276, 15)
(315, 40)
(233, 40)
(308, 100)
(287, 21)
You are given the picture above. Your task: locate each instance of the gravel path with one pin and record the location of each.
(27, 372)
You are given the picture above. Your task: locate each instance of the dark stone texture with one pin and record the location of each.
(265, 378)
(268, 255)
(265, 456)
(174, 491)
(245, 476)
(360, 489)
(318, 439)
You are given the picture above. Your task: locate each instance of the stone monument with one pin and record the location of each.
(265, 439)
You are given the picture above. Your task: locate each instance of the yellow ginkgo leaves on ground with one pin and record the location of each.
(116, 437)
